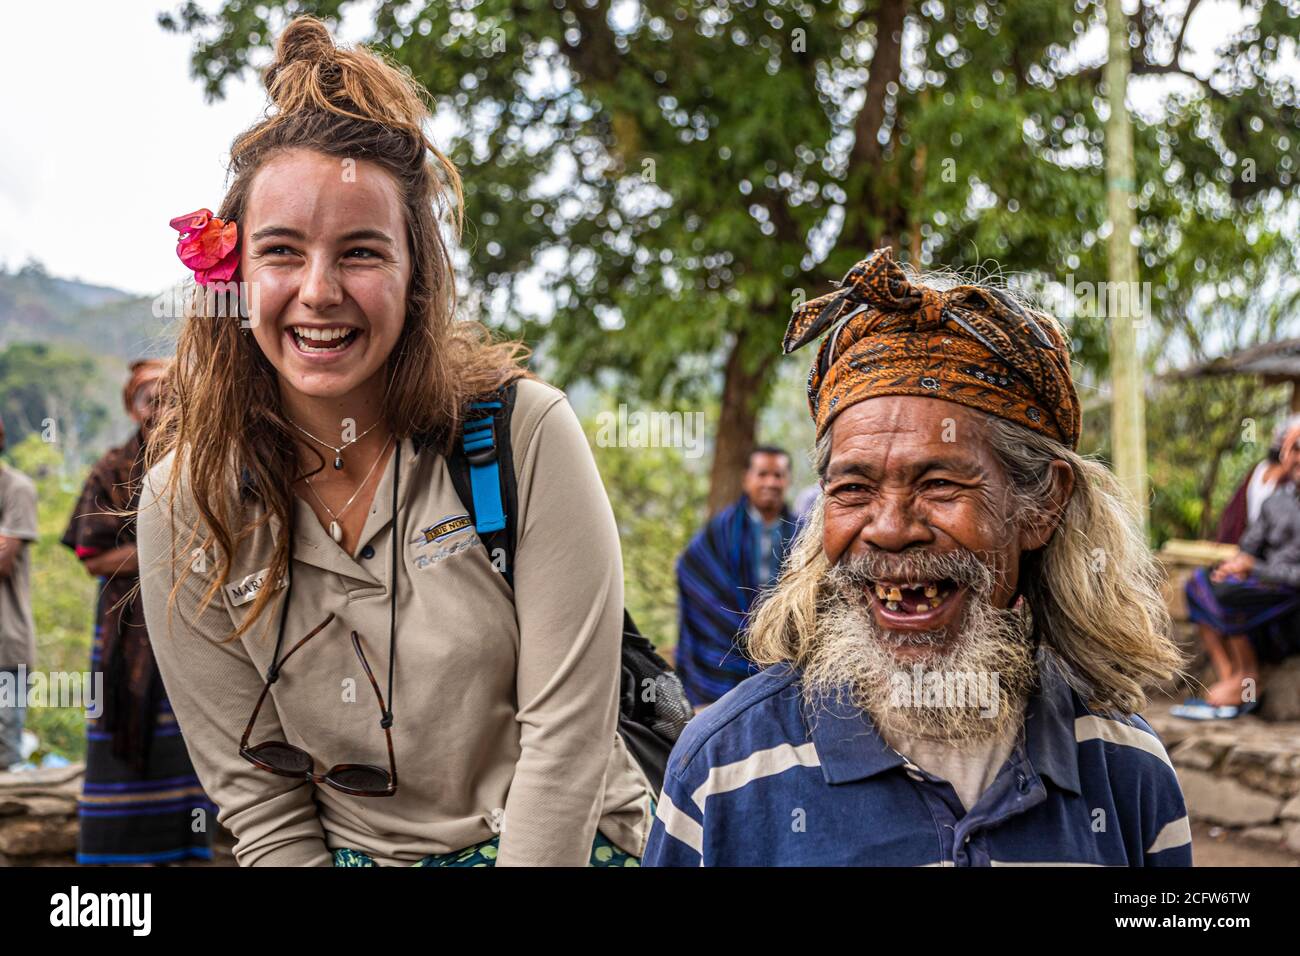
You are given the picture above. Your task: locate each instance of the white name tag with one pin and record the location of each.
(244, 591)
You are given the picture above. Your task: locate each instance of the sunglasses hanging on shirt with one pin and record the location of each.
(283, 758)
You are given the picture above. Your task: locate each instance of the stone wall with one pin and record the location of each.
(38, 816)
(1242, 774)
(38, 820)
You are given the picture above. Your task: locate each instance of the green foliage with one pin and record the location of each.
(658, 496)
(706, 151)
(40, 384)
(1209, 434)
(688, 170)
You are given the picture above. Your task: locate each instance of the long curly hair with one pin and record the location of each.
(222, 412)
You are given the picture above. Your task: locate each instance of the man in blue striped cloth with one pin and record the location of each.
(723, 570)
(963, 631)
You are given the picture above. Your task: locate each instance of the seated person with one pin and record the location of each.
(1246, 607)
(1260, 482)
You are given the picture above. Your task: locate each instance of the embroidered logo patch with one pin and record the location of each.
(442, 529)
(245, 590)
(438, 534)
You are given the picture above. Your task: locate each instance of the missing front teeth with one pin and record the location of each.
(913, 597)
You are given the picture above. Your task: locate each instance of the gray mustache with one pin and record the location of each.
(961, 566)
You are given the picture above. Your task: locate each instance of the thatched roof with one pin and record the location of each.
(1273, 361)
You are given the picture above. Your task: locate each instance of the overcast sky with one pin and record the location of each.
(104, 137)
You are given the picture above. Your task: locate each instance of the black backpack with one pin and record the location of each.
(653, 707)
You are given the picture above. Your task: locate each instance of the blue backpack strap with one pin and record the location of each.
(481, 465)
(479, 443)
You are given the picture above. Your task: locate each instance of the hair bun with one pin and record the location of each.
(305, 38)
(311, 73)
(304, 48)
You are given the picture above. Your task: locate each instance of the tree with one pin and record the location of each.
(1128, 410)
(48, 392)
(685, 172)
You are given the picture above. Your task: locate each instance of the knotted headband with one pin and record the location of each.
(973, 345)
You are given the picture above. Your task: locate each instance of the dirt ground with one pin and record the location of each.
(1213, 846)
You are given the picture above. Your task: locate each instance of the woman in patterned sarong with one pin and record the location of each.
(141, 800)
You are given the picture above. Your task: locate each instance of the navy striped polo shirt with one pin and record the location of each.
(758, 780)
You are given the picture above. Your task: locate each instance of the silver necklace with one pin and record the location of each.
(336, 530)
(337, 449)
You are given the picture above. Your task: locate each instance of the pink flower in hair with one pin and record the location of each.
(207, 245)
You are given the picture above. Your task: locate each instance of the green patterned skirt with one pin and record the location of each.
(603, 853)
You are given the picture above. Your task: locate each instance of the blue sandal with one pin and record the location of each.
(1194, 708)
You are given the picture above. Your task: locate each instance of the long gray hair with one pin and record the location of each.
(1094, 589)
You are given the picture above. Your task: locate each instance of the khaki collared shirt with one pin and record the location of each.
(17, 520)
(505, 706)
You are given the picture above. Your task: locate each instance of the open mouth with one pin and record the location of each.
(314, 341)
(914, 604)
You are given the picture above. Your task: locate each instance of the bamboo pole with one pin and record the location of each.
(1124, 306)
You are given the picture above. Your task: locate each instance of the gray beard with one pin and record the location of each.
(971, 690)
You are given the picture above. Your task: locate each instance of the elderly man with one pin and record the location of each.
(963, 629)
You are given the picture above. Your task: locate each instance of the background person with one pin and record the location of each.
(734, 557)
(141, 798)
(17, 633)
(1247, 608)
(1260, 482)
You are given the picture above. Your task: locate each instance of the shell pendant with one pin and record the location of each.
(335, 531)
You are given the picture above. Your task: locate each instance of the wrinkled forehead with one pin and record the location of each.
(901, 436)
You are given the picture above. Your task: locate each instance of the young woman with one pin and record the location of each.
(305, 557)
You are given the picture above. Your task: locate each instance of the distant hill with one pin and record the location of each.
(99, 327)
(105, 322)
